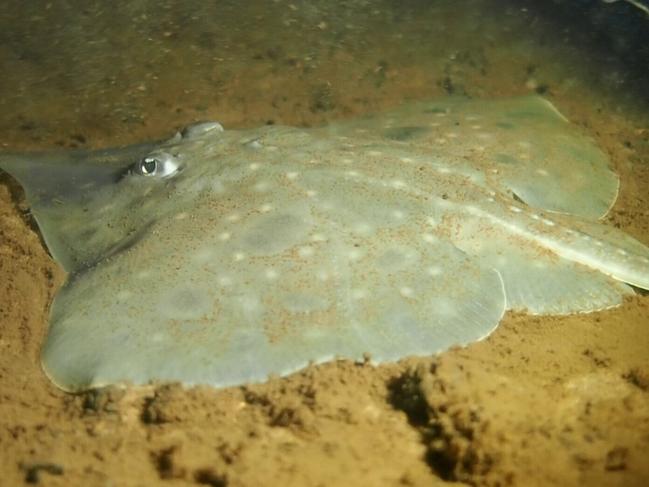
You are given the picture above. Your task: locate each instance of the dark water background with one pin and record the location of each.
(93, 73)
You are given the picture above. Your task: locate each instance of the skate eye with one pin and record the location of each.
(160, 164)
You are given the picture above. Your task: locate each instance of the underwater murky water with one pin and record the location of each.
(97, 73)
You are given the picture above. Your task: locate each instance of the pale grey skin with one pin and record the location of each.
(220, 257)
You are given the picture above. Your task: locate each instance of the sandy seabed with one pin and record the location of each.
(542, 401)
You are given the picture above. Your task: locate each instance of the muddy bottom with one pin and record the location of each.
(542, 401)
